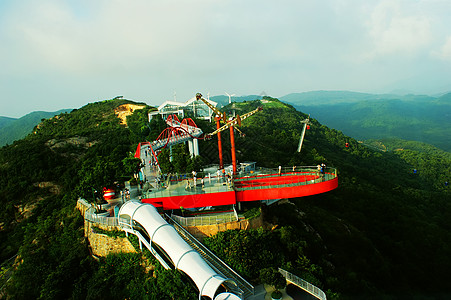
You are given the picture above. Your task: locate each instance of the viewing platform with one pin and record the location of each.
(174, 191)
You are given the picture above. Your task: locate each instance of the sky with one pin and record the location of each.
(59, 54)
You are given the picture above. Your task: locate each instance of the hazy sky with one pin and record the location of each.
(57, 54)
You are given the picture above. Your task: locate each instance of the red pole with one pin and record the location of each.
(232, 141)
(221, 163)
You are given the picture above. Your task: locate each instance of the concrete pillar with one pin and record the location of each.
(191, 148)
(196, 147)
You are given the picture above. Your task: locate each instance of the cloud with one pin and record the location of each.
(78, 50)
(444, 53)
(397, 29)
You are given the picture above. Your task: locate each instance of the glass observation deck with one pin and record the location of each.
(217, 188)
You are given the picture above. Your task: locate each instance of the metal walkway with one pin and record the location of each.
(217, 264)
(170, 248)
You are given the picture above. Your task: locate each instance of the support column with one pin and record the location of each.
(232, 141)
(221, 162)
(170, 153)
(301, 140)
(196, 147)
(191, 148)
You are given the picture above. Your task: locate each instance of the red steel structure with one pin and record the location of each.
(252, 187)
(221, 161)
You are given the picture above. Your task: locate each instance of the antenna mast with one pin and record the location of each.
(306, 126)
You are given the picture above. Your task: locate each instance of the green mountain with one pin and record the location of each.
(314, 98)
(4, 121)
(367, 116)
(15, 129)
(444, 99)
(383, 234)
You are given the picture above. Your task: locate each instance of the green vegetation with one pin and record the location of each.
(41, 178)
(377, 233)
(367, 116)
(272, 277)
(110, 233)
(252, 251)
(15, 129)
(252, 213)
(384, 232)
(124, 276)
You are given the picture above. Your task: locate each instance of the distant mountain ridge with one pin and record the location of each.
(370, 116)
(12, 129)
(223, 100)
(335, 97)
(421, 118)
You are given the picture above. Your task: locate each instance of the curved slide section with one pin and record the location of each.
(164, 242)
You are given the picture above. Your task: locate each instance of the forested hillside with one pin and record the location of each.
(383, 234)
(5, 121)
(15, 129)
(371, 116)
(384, 230)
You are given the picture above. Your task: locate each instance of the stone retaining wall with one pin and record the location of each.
(200, 232)
(102, 244)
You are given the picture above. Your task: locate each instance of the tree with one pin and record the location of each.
(131, 165)
(274, 278)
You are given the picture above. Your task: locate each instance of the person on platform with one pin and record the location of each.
(194, 178)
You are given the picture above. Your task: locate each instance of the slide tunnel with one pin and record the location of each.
(171, 250)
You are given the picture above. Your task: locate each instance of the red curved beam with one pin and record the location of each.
(189, 121)
(172, 118)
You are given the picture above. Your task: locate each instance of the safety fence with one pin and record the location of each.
(91, 215)
(301, 283)
(202, 220)
(263, 178)
(83, 205)
(172, 185)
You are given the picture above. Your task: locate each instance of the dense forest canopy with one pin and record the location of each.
(384, 232)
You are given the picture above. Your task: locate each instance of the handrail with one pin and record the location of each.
(84, 202)
(92, 217)
(301, 283)
(284, 180)
(288, 178)
(206, 220)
